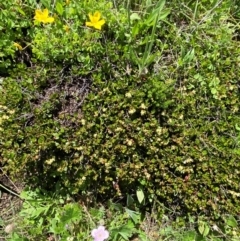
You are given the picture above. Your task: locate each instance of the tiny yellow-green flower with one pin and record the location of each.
(18, 46)
(42, 16)
(95, 20)
(66, 28)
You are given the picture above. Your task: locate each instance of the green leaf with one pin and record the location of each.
(140, 195)
(134, 16)
(231, 221)
(45, 3)
(189, 56)
(117, 206)
(16, 237)
(21, 11)
(189, 236)
(163, 15)
(156, 13)
(237, 127)
(59, 8)
(41, 140)
(201, 238)
(203, 228)
(72, 212)
(40, 211)
(126, 231)
(130, 200)
(135, 216)
(150, 59)
(55, 227)
(214, 91)
(135, 30)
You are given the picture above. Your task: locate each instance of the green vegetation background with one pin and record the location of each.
(150, 102)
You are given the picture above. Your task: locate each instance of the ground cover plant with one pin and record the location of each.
(47, 217)
(113, 100)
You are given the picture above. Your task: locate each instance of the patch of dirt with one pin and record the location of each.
(61, 96)
(10, 203)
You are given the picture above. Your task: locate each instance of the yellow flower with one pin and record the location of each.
(66, 28)
(42, 16)
(95, 20)
(67, 2)
(18, 46)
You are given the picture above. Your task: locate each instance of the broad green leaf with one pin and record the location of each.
(231, 221)
(72, 212)
(203, 228)
(125, 231)
(140, 195)
(214, 91)
(206, 231)
(130, 200)
(134, 16)
(59, 8)
(56, 227)
(135, 216)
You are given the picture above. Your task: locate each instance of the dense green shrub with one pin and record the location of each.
(87, 124)
(14, 25)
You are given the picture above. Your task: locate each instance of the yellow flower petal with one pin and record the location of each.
(18, 46)
(42, 16)
(95, 20)
(90, 17)
(99, 24)
(49, 20)
(37, 14)
(45, 13)
(97, 16)
(89, 24)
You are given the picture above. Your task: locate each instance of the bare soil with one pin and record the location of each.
(9, 202)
